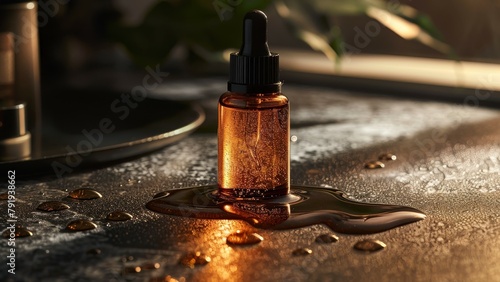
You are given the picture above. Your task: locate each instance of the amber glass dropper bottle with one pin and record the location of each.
(254, 123)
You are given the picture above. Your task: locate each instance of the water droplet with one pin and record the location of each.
(131, 269)
(313, 172)
(17, 232)
(119, 216)
(161, 194)
(127, 258)
(369, 245)
(139, 269)
(85, 194)
(94, 251)
(80, 225)
(41, 252)
(294, 138)
(52, 206)
(4, 196)
(374, 164)
(296, 210)
(150, 266)
(387, 157)
(302, 252)
(326, 239)
(167, 278)
(243, 238)
(194, 259)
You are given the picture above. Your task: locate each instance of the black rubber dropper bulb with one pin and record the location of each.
(255, 35)
(254, 69)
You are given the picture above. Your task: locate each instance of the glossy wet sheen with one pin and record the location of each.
(304, 207)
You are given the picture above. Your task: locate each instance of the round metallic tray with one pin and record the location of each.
(81, 129)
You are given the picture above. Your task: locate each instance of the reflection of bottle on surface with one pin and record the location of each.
(261, 215)
(254, 124)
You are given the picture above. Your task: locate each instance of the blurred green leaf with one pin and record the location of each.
(408, 29)
(210, 25)
(337, 41)
(307, 25)
(309, 22)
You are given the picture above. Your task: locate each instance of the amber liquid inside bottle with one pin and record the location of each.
(254, 146)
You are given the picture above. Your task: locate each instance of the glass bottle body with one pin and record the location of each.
(253, 145)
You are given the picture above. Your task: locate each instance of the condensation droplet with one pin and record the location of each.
(313, 172)
(326, 239)
(374, 165)
(127, 258)
(85, 194)
(243, 238)
(80, 225)
(387, 157)
(302, 252)
(369, 245)
(119, 216)
(150, 266)
(132, 269)
(194, 259)
(94, 251)
(167, 278)
(52, 206)
(294, 138)
(17, 232)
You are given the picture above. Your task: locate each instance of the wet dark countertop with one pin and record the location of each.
(448, 164)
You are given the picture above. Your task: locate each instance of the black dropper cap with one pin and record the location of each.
(254, 69)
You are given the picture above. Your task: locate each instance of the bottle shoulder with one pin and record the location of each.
(254, 101)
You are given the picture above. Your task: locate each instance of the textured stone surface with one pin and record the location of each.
(448, 164)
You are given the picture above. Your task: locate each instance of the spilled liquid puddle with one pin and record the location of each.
(161, 194)
(304, 206)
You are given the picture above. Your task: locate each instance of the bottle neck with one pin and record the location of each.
(254, 88)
